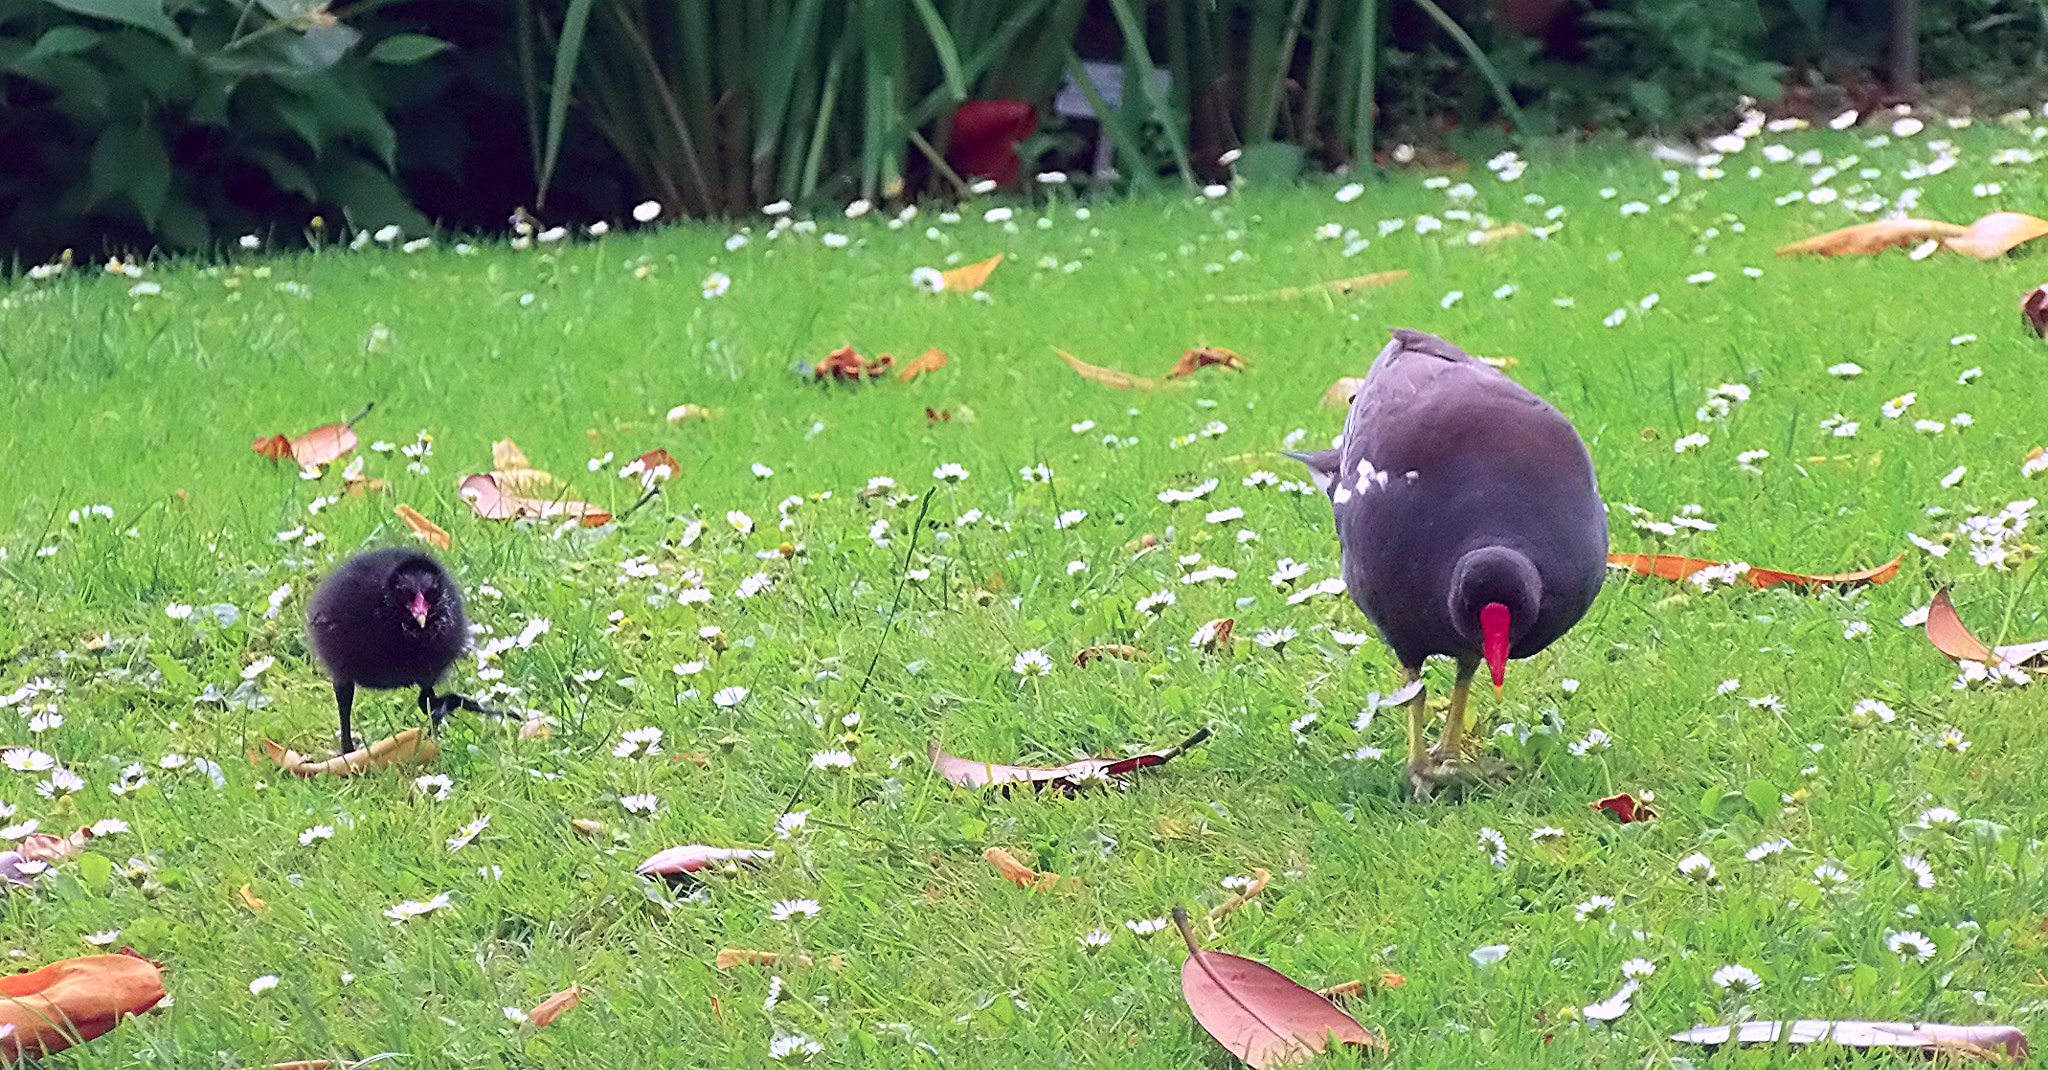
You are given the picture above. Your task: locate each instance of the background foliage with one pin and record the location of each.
(186, 123)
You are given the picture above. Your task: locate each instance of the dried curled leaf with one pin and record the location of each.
(1110, 377)
(1215, 636)
(552, 1007)
(75, 1000)
(322, 445)
(1864, 239)
(1946, 631)
(848, 366)
(968, 278)
(1624, 808)
(1092, 653)
(492, 501)
(1201, 357)
(1337, 287)
(1258, 1013)
(1996, 234)
(1677, 568)
(1024, 876)
(1935, 1038)
(407, 747)
(930, 360)
(2034, 309)
(973, 774)
(426, 529)
(249, 897)
(690, 858)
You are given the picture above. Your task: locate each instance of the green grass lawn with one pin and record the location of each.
(147, 402)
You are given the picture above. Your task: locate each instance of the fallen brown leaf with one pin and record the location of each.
(968, 278)
(1677, 568)
(1996, 235)
(409, 746)
(1203, 357)
(930, 360)
(1024, 876)
(75, 1000)
(491, 501)
(511, 470)
(322, 445)
(973, 774)
(1938, 1038)
(1336, 287)
(1092, 653)
(587, 827)
(1864, 239)
(693, 857)
(424, 528)
(1946, 631)
(1110, 377)
(1217, 638)
(552, 1007)
(848, 366)
(1257, 1013)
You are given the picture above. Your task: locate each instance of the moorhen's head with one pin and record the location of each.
(420, 596)
(1494, 598)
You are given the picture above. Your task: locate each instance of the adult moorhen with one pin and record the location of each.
(1469, 521)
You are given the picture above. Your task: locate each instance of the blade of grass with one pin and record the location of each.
(1477, 55)
(568, 50)
(1134, 45)
(942, 44)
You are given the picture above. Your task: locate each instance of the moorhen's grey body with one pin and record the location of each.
(1469, 520)
(388, 619)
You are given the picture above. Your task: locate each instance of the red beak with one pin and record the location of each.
(1493, 632)
(419, 611)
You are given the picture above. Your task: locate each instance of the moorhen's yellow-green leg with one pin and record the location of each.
(1418, 714)
(1454, 744)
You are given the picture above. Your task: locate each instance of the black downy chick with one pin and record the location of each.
(389, 619)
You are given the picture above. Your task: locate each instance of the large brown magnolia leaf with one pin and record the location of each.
(1202, 357)
(40, 847)
(322, 445)
(492, 501)
(1948, 634)
(1935, 1038)
(78, 999)
(1996, 235)
(1336, 287)
(1110, 377)
(1256, 1012)
(411, 745)
(930, 360)
(511, 470)
(973, 774)
(1864, 239)
(1677, 568)
(968, 278)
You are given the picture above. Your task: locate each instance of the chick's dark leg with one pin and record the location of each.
(344, 701)
(435, 714)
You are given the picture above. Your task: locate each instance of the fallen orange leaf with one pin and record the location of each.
(1087, 654)
(552, 1007)
(1996, 235)
(411, 745)
(321, 445)
(1110, 377)
(1678, 568)
(1337, 287)
(968, 278)
(75, 1000)
(1259, 1014)
(1202, 357)
(1864, 239)
(492, 501)
(847, 365)
(424, 528)
(1024, 876)
(930, 360)
(249, 896)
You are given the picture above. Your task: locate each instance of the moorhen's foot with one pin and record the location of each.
(440, 706)
(1454, 776)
